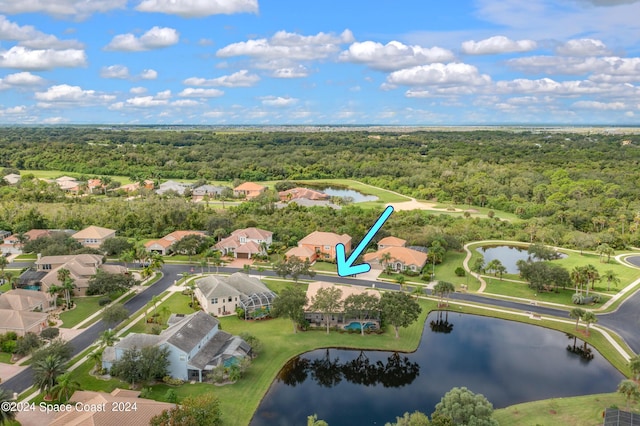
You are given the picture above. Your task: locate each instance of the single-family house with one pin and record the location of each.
(397, 258)
(246, 243)
(12, 243)
(22, 322)
(210, 191)
(24, 300)
(248, 190)
(173, 186)
(391, 242)
(81, 267)
(195, 342)
(93, 236)
(304, 202)
(302, 193)
(67, 183)
(320, 246)
(95, 186)
(148, 184)
(135, 410)
(12, 178)
(163, 244)
(221, 296)
(337, 318)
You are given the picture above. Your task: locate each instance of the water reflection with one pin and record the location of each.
(328, 372)
(440, 325)
(584, 352)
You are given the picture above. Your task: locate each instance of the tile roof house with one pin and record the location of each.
(399, 259)
(24, 300)
(174, 186)
(221, 296)
(195, 342)
(148, 184)
(12, 243)
(246, 243)
(93, 236)
(320, 245)
(248, 190)
(163, 245)
(67, 183)
(317, 318)
(210, 191)
(391, 242)
(144, 410)
(82, 267)
(305, 193)
(22, 322)
(12, 178)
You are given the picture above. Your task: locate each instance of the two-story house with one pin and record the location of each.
(93, 236)
(245, 243)
(163, 244)
(22, 311)
(320, 246)
(195, 343)
(249, 190)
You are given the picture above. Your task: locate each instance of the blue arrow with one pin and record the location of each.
(346, 267)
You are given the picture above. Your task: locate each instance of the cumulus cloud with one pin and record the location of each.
(20, 109)
(149, 74)
(496, 45)
(28, 36)
(608, 2)
(138, 90)
(278, 101)
(198, 8)
(41, 59)
(241, 78)
(285, 46)
(79, 9)
(191, 92)
(65, 95)
(155, 38)
(583, 47)
(21, 79)
(612, 66)
(564, 88)
(115, 71)
(298, 71)
(438, 74)
(393, 55)
(602, 106)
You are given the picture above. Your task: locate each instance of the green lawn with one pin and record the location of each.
(84, 307)
(577, 411)
(26, 257)
(53, 174)
(177, 304)
(324, 267)
(5, 357)
(5, 287)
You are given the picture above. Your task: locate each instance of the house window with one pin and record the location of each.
(214, 300)
(230, 298)
(46, 267)
(327, 247)
(183, 358)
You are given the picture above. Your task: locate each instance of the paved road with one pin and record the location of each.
(625, 321)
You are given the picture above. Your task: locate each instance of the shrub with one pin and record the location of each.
(50, 333)
(9, 346)
(577, 299)
(172, 381)
(171, 396)
(459, 271)
(104, 301)
(145, 393)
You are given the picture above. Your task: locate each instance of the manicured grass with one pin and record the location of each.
(5, 287)
(277, 286)
(53, 174)
(84, 307)
(26, 257)
(5, 358)
(384, 196)
(324, 267)
(90, 382)
(177, 304)
(578, 411)
(239, 401)
(482, 212)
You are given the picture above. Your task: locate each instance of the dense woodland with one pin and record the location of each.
(571, 189)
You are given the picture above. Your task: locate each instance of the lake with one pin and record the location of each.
(507, 255)
(356, 196)
(506, 361)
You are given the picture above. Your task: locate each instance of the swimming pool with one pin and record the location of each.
(356, 326)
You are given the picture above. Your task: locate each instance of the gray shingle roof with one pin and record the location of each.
(186, 334)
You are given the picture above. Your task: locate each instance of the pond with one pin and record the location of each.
(356, 196)
(506, 361)
(507, 255)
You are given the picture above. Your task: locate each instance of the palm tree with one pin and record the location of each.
(6, 414)
(108, 337)
(146, 272)
(605, 249)
(203, 262)
(127, 256)
(592, 275)
(154, 301)
(589, 318)
(385, 260)
(216, 260)
(157, 262)
(65, 388)
(634, 366)
(611, 277)
(577, 314)
(192, 287)
(579, 277)
(443, 289)
(45, 373)
(630, 389)
(96, 357)
(53, 292)
(67, 286)
(3, 264)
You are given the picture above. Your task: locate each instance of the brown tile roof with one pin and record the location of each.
(20, 320)
(347, 290)
(392, 242)
(300, 252)
(252, 233)
(306, 193)
(403, 254)
(96, 232)
(145, 409)
(318, 238)
(249, 247)
(249, 186)
(173, 237)
(22, 300)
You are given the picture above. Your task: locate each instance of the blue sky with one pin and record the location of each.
(404, 62)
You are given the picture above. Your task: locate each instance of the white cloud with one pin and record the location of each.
(165, 94)
(185, 103)
(565, 88)
(286, 47)
(28, 36)
(149, 74)
(138, 90)
(155, 38)
(393, 55)
(198, 8)
(612, 66)
(28, 59)
(583, 47)
(298, 71)
(115, 71)
(278, 101)
(496, 45)
(66, 95)
(191, 92)
(22, 79)
(438, 74)
(601, 106)
(241, 78)
(20, 109)
(55, 120)
(65, 8)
